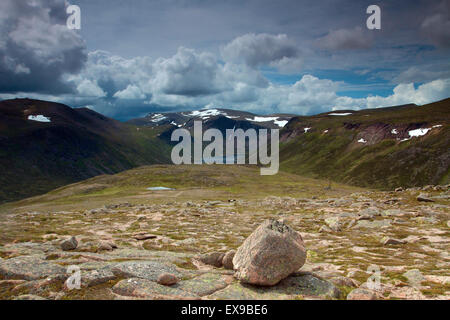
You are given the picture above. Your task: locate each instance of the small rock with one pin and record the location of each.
(167, 279)
(388, 241)
(351, 223)
(334, 223)
(415, 277)
(271, 253)
(399, 189)
(370, 212)
(106, 246)
(361, 294)
(344, 281)
(424, 198)
(213, 259)
(69, 244)
(325, 229)
(227, 260)
(144, 236)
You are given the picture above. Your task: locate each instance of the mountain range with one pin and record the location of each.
(45, 145)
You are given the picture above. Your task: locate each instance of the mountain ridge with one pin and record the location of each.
(381, 148)
(45, 145)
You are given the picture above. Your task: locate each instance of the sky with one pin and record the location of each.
(133, 57)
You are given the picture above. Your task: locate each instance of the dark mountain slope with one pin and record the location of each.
(64, 145)
(186, 119)
(383, 148)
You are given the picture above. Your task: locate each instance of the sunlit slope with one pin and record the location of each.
(190, 182)
(382, 148)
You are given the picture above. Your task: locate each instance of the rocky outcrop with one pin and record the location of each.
(150, 270)
(271, 253)
(29, 268)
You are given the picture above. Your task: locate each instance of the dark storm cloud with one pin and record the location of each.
(436, 27)
(36, 47)
(179, 54)
(346, 39)
(260, 49)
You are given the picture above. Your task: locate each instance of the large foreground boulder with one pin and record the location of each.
(270, 254)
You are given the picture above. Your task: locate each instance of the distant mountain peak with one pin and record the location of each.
(186, 118)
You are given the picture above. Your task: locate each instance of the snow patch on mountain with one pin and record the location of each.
(39, 118)
(262, 119)
(340, 114)
(281, 123)
(206, 114)
(158, 117)
(419, 132)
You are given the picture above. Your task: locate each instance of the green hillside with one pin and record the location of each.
(385, 157)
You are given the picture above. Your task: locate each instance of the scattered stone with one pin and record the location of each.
(69, 244)
(443, 280)
(399, 189)
(362, 294)
(167, 279)
(144, 236)
(407, 293)
(424, 198)
(391, 241)
(351, 224)
(271, 253)
(392, 212)
(344, 281)
(334, 223)
(213, 259)
(370, 212)
(325, 229)
(227, 260)
(415, 277)
(385, 223)
(106, 246)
